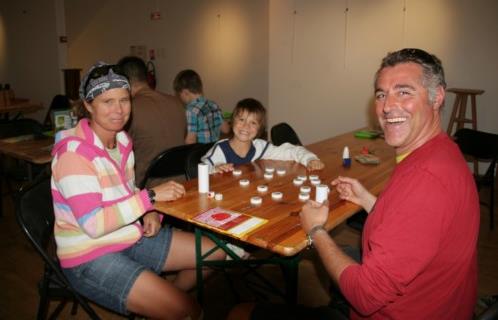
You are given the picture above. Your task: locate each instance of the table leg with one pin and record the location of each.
(289, 267)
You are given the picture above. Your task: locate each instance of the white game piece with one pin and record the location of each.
(304, 196)
(314, 177)
(218, 196)
(268, 175)
(210, 194)
(281, 172)
(315, 182)
(237, 172)
(262, 188)
(277, 195)
(302, 177)
(305, 189)
(270, 170)
(244, 182)
(256, 200)
(322, 193)
(297, 181)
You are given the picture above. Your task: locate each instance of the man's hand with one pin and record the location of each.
(152, 224)
(314, 214)
(169, 191)
(352, 190)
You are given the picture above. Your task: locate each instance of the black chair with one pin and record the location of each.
(283, 132)
(35, 215)
(481, 146)
(169, 163)
(13, 169)
(19, 127)
(59, 102)
(194, 157)
(491, 313)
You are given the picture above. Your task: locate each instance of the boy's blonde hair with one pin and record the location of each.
(251, 106)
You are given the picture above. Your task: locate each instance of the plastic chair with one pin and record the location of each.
(35, 215)
(194, 157)
(283, 132)
(481, 146)
(169, 163)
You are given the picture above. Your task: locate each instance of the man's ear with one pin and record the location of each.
(439, 98)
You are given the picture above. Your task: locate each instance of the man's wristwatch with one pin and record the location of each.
(312, 232)
(152, 195)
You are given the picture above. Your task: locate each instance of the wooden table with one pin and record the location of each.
(282, 234)
(29, 148)
(19, 106)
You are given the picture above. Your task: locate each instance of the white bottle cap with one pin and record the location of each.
(218, 196)
(314, 177)
(297, 181)
(345, 153)
(315, 182)
(281, 172)
(262, 188)
(268, 175)
(269, 169)
(256, 200)
(277, 195)
(237, 172)
(244, 182)
(304, 196)
(302, 177)
(305, 189)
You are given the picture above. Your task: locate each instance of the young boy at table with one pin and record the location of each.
(248, 119)
(204, 118)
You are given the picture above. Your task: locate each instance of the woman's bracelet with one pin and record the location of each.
(312, 232)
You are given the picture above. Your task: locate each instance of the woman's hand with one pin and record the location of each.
(152, 224)
(169, 191)
(352, 190)
(315, 165)
(314, 214)
(225, 167)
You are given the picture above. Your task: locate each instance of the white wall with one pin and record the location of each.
(322, 59)
(29, 50)
(226, 41)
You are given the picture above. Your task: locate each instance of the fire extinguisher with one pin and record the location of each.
(151, 74)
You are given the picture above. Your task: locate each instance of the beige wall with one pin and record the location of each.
(322, 61)
(29, 56)
(313, 69)
(226, 41)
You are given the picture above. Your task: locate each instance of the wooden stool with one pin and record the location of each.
(460, 108)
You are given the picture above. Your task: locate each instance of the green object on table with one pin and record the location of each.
(367, 134)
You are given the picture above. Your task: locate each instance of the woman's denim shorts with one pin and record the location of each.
(107, 280)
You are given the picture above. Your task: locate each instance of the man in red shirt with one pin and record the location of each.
(419, 243)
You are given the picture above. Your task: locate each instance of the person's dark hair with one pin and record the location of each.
(134, 68)
(251, 106)
(188, 79)
(433, 72)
